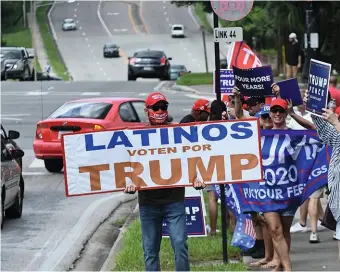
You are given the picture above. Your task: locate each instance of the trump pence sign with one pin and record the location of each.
(162, 156)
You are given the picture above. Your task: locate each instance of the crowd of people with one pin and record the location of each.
(273, 229)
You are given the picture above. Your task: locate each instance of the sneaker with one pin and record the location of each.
(314, 238)
(334, 236)
(298, 228)
(320, 227)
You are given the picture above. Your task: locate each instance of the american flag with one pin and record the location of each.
(249, 228)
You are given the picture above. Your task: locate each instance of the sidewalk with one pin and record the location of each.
(38, 43)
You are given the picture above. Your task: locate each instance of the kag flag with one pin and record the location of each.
(240, 55)
(227, 81)
(195, 219)
(295, 165)
(318, 83)
(254, 81)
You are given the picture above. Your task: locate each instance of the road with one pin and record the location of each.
(27, 242)
(113, 21)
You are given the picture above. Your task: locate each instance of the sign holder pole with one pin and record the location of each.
(222, 190)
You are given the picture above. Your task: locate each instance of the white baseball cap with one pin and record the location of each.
(292, 36)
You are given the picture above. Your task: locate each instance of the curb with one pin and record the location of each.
(69, 248)
(181, 88)
(110, 262)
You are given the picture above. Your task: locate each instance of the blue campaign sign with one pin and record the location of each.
(318, 83)
(254, 81)
(289, 89)
(227, 81)
(295, 165)
(195, 218)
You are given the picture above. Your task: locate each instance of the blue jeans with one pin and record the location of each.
(151, 217)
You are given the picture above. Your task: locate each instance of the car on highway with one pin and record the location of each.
(149, 64)
(8, 139)
(18, 63)
(177, 31)
(69, 25)
(12, 184)
(177, 70)
(84, 115)
(110, 51)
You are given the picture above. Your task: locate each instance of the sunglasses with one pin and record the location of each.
(277, 110)
(157, 108)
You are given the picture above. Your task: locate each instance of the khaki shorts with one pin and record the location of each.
(318, 193)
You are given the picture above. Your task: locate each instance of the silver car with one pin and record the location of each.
(69, 24)
(12, 184)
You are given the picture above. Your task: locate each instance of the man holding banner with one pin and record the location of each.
(158, 204)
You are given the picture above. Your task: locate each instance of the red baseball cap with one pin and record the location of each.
(201, 105)
(153, 98)
(337, 110)
(280, 103)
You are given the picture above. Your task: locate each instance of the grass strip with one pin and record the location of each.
(205, 253)
(195, 79)
(49, 44)
(203, 17)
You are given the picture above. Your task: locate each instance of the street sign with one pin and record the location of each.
(228, 34)
(231, 10)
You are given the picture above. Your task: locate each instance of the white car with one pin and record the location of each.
(177, 31)
(69, 24)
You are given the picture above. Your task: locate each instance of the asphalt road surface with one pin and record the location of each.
(113, 21)
(46, 219)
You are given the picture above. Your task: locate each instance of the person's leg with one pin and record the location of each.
(175, 218)
(289, 72)
(213, 211)
(259, 244)
(232, 220)
(337, 236)
(313, 211)
(295, 71)
(301, 226)
(151, 221)
(320, 210)
(273, 220)
(286, 221)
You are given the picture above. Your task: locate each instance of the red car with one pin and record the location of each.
(82, 116)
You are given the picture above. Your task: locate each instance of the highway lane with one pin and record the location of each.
(82, 49)
(46, 220)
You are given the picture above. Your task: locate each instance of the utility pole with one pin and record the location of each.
(24, 12)
(205, 49)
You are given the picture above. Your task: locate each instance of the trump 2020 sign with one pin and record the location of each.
(164, 156)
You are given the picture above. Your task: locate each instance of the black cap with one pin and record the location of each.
(254, 100)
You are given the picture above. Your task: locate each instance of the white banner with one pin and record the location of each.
(164, 156)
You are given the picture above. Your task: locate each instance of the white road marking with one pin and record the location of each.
(75, 15)
(112, 13)
(98, 62)
(50, 88)
(186, 109)
(193, 17)
(37, 164)
(142, 94)
(105, 74)
(101, 69)
(84, 34)
(54, 34)
(77, 22)
(165, 13)
(36, 93)
(88, 45)
(90, 93)
(16, 114)
(75, 9)
(34, 173)
(159, 86)
(78, 4)
(101, 19)
(167, 19)
(91, 51)
(10, 118)
(195, 96)
(86, 39)
(79, 27)
(164, 7)
(109, 79)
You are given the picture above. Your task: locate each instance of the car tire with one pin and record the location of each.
(131, 78)
(16, 210)
(54, 165)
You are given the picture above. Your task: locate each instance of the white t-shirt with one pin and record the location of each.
(292, 124)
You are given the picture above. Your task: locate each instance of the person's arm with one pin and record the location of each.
(328, 133)
(299, 61)
(238, 104)
(299, 119)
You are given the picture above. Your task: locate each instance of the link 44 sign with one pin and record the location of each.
(228, 34)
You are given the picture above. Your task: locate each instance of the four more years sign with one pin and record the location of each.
(162, 156)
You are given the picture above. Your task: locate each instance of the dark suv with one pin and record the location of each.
(149, 64)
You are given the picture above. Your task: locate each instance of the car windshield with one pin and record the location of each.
(177, 68)
(178, 28)
(69, 21)
(111, 46)
(11, 54)
(149, 54)
(92, 110)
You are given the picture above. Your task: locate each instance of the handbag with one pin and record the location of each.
(328, 220)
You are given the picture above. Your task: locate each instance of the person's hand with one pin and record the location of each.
(306, 97)
(290, 108)
(198, 184)
(275, 89)
(224, 115)
(231, 112)
(131, 189)
(236, 91)
(299, 65)
(330, 116)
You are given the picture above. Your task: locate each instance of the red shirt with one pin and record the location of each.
(335, 94)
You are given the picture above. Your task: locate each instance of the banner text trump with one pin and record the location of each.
(167, 156)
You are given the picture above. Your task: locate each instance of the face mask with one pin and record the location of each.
(158, 118)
